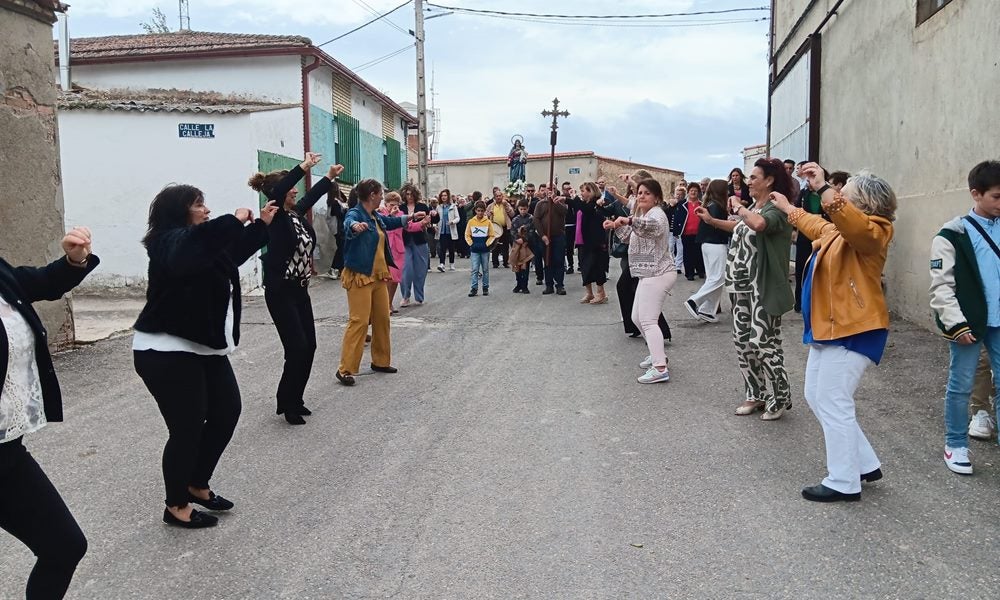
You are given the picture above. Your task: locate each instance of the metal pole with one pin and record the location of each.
(418, 6)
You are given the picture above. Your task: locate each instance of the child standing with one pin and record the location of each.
(479, 237)
(521, 255)
(965, 297)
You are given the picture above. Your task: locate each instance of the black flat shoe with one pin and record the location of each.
(821, 493)
(294, 418)
(872, 476)
(384, 369)
(305, 412)
(635, 334)
(560, 291)
(199, 520)
(347, 380)
(548, 291)
(214, 502)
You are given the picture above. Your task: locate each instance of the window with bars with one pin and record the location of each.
(928, 8)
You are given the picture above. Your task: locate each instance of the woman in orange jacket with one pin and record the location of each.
(846, 322)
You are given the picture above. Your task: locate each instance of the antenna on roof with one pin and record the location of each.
(185, 15)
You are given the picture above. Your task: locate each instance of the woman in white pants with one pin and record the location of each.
(650, 260)
(846, 322)
(705, 303)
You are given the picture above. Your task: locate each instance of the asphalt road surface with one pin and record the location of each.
(515, 456)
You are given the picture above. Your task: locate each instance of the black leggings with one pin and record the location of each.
(292, 313)
(626, 287)
(694, 262)
(446, 244)
(32, 511)
(200, 403)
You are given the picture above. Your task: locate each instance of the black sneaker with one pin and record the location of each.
(486, 291)
(560, 291)
(525, 291)
(569, 271)
(473, 292)
(517, 290)
(548, 291)
(539, 282)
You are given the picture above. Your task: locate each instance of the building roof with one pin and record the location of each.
(543, 157)
(40, 10)
(162, 101)
(180, 45)
(178, 42)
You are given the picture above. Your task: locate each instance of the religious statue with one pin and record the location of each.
(516, 160)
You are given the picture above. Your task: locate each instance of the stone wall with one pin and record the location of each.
(31, 207)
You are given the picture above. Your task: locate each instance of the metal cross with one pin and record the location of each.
(555, 113)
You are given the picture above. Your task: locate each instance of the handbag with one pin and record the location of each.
(619, 249)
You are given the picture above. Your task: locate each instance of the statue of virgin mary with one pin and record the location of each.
(516, 160)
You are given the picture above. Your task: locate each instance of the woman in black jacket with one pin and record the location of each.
(714, 243)
(287, 270)
(738, 186)
(184, 334)
(31, 509)
(594, 257)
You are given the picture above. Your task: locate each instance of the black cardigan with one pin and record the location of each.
(281, 246)
(191, 272)
(20, 287)
(418, 237)
(708, 234)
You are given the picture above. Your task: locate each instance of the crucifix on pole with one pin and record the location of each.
(555, 113)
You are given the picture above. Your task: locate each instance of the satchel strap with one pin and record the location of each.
(983, 233)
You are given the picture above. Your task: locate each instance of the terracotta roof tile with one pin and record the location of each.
(162, 101)
(180, 42)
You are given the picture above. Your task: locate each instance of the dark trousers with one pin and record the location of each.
(626, 287)
(501, 249)
(338, 256)
(32, 511)
(538, 247)
(292, 313)
(555, 273)
(522, 278)
(570, 245)
(803, 248)
(446, 244)
(694, 262)
(200, 403)
(460, 246)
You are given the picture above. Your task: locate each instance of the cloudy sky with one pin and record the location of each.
(687, 96)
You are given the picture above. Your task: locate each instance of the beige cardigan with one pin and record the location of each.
(648, 252)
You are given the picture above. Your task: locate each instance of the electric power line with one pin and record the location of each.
(558, 16)
(363, 25)
(374, 12)
(382, 59)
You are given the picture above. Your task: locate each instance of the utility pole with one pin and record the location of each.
(185, 15)
(418, 6)
(555, 113)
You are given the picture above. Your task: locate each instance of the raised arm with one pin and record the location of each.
(62, 275)
(326, 185)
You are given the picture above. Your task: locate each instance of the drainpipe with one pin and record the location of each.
(306, 70)
(64, 79)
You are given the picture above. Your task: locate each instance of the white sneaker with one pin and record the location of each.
(451, 268)
(441, 267)
(982, 426)
(646, 362)
(654, 375)
(336, 273)
(957, 460)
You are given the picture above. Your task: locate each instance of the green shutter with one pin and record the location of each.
(393, 173)
(349, 147)
(267, 162)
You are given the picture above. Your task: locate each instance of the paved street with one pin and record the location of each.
(514, 456)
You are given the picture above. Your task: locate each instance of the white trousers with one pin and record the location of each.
(649, 298)
(675, 245)
(832, 376)
(708, 297)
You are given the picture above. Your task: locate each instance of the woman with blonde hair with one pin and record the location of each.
(390, 208)
(845, 319)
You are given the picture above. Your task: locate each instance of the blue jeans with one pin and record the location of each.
(480, 260)
(961, 374)
(522, 278)
(418, 260)
(555, 270)
(538, 247)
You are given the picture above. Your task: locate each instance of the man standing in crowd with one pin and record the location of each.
(550, 223)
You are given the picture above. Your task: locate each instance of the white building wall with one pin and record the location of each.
(321, 88)
(110, 178)
(270, 78)
(277, 131)
(399, 129)
(367, 110)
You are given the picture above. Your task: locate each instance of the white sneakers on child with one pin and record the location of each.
(957, 460)
(982, 426)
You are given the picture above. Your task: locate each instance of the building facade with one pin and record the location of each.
(209, 109)
(32, 209)
(903, 88)
(464, 176)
